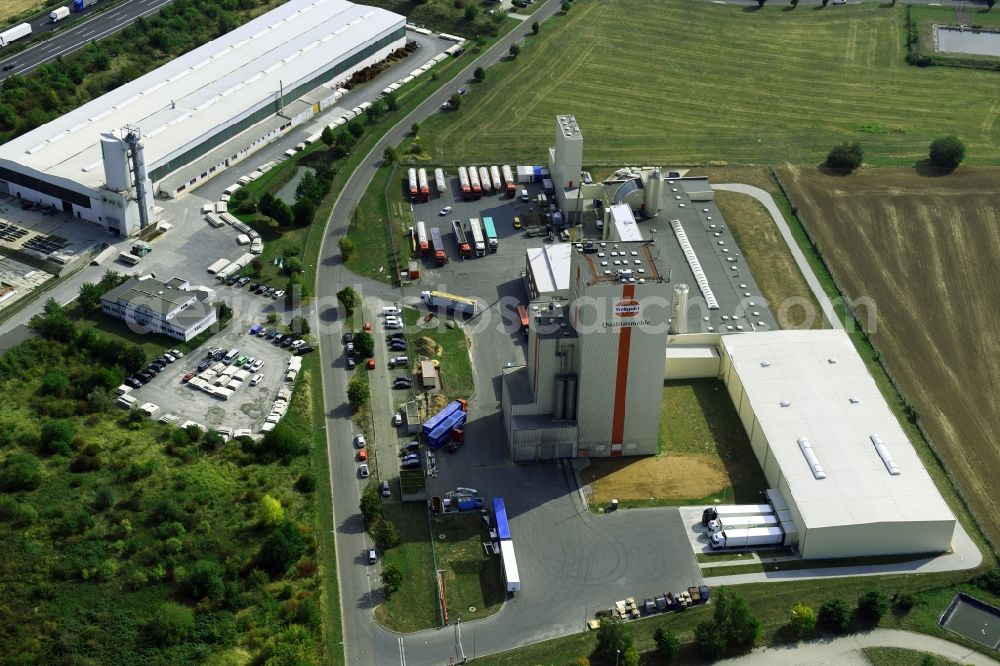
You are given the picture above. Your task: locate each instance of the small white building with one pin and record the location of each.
(172, 308)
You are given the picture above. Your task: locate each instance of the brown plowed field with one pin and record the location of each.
(927, 250)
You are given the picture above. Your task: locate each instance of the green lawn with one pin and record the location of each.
(702, 83)
(456, 367)
(472, 578)
(376, 254)
(893, 656)
(414, 606)
(798, 564)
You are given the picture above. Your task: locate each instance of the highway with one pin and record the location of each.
(70, 37)
(365, 642)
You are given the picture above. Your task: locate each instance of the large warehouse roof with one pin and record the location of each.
(204, 89)
(813, 387)
(550, 266)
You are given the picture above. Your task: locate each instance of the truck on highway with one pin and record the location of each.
(465, 182)
(491, 234)
(15, 33)
(734, 510)
(58, 14)
(484, 177)
(742, 522)
(437, 246)
(439, 181)
(477, 187)
(456, 304)
(460, 240)
(748, 538)
(80, 5)
(478, 241)
(422, 243)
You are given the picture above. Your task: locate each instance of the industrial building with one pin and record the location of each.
(99, 161)
(172, 308)
(611, 319)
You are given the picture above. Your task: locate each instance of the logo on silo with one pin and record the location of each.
(627, 308)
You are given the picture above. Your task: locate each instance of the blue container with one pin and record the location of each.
(500, 513)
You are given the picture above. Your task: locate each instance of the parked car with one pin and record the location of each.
(287, 341)
(368, 327)
(398, 360)
(169, 357)
(372, 556)
(256, 380)
(188, 377)
(146, 377)
(278, 338)
(359, 440)
(256, 365)
(371, 364)
(411, 464)
(412, 447)
(517, 222)
(397, 420)
(386, 491)
(397, 345)
(362, 454)
(350, 349)
(242, 281)
(363, 471)
(241, 361)
(399, 335)
(306, 349)
(154, 369)
(255, 329)
(204, 364)
(253, 288)
(133, 382)
(298, 343)
(402, 382)
(250, 361)
(176, 354)
(348, 337)
(444, 211)
(350, 363)
(278, 294)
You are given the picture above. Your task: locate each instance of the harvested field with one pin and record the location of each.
(705, 455)
(11, 8)
(924, 250)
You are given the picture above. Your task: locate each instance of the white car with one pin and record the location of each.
(359, 440)
(256, 365)
(298, 343)
(363, 471)
(256, 380)
(397, 420)
(444, 211)
(278, 294)
(170, 357)
(176, 354)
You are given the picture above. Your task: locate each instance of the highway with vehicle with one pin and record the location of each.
(71, 34)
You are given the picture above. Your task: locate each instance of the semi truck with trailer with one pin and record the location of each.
(422, 243)
(460, 240)
(58, 14)
(425, 190)
(438, 429)
(491, 234)
(444, 300)
(465, 182)
(753, 537)
(495, 177)
(14, 34)
(508, 179)
(439, 181)
(80, 5)
(437, 247)
(414, 189)
(484, 178)
(477, 188)
(478, 241)
(743, 522)
(734, 510)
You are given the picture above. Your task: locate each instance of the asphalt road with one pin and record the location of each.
(70, 37)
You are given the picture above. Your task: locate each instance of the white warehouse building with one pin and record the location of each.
(80, 164)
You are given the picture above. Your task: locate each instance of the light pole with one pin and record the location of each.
(617, 654)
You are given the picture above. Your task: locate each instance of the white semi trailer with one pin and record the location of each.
(743, 522)
(754, 537)
(734, 510)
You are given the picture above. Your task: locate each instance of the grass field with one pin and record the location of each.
(704, 456)
(694, 83)
(377, 216)
(892, 656)
(414, 606)
(11, 8)
(921, 247)
(456, 366)
(473, 585)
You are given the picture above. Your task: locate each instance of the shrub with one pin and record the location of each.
(57, 435)
(392, 578)
(947, 152)
(905, 601)
(667, 644)
(204, 581)
(306, 483)
(803, 619)
(835, 615)
(371, 505)
(872, 605)
(269, 512)
(347, 296)
(171, 623)
(20, 471)
(847, 156)
(613, 638)
(283, 442)
(989, 581)
(281, 550)
(386, 535)
(709, 640)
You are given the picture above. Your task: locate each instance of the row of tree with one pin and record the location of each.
(945, 153)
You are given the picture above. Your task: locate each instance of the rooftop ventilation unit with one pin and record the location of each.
(692, 259)
(883, 453)
(811, 458)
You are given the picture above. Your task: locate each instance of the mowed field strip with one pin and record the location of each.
(696, 83)
(924, 249)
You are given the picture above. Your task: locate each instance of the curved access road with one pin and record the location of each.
(366, 643)
(767, 200)
(846, 650)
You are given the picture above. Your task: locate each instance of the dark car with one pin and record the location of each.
(348, 337)
(279, 338)
(233, 279)
(397, 345)
(133, 382)
(402, 383)
(350, 363)
(287, 341)
(154, 369)
(145, 376)
(306, 349)
(398, 335)
(204, 365)
(254, 286)
(410, 464)
(9, 66)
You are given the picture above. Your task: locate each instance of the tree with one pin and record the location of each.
(824, 2)
(630, 657)
(212, 440)
(471, 12)
(735, 620)
(835, 615)
(390, 155)
(872, 605)
(269, 512)
(346, 248)
(415, 129)
(392, 579)
(348, 297)
(803, 619)
(709, 640)
(171, 623)
(613, 638)
(56, 436)
(356, 128)
(272, 317)
(454, 101)
(282, 549)
(479, 74)
(386, 535)
(847, 156)
(54, 383)
(990, 3)
(293, 265)
(514, 51)
(947, 152)
(391, 102)
(535, 28)
(90, 296)
(364, 344)
(299, 325)
(283, 442)
(303, 212)
(357, 392)
(282, 213)
(204, 581)
(19, 472)
(328, 137)
(667, 644)
(371, 506)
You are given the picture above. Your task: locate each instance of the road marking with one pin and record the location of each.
(402, 652)
(89, 32)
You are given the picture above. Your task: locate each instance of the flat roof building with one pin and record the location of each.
(172, 308)
(825, 437)
(193, 104)
(547, 270)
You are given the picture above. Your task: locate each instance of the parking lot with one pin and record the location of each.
(248, 406)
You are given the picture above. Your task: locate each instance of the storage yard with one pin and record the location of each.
(918, 248)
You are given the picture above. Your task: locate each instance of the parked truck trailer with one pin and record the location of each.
(437, 246)
(754, 537)
(491, 234)
(414, 188)
(734, 510)
(425, 190)
(439, 181)
(495, 178)
(465, 182)
(478, 241)
(484, 177)
(444, 300)
(477, 187)
(460, 239)
(508, 179)
(422, 243)
(743, 522)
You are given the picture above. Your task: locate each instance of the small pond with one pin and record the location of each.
(967, 40)
(970, 617)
